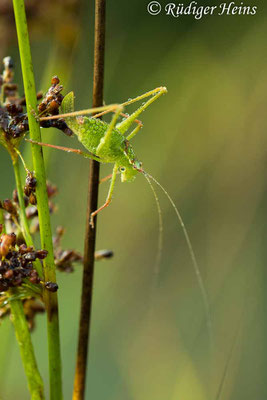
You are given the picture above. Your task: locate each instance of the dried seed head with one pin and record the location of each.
(55, 80)
(41, 254)
(8, 69)
(31, 181)
(16, 198)
(51, 189)
(16, 263)
(31, 212)
(50, 106)
(7, 241)
(52, 99)
(30, 186)
(33, 199)
(14, 109)
(31, 308)
(30, 256)
(3, 286)
(24, 249)
(35, 227)
(60, 231)
(103, 254)
(34, 278)
(8, 63)
(51, 286)
(17, 281)
(10, 207)
(9, 274)
(64, 259)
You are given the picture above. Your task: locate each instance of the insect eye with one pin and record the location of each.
(122, 169)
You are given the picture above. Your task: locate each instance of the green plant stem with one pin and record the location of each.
(23, 336)
(50, 299)
(23, 219)
(2, 220)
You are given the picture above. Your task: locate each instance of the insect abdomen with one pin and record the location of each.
(90, 131)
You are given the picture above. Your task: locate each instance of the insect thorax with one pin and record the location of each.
(118, 150)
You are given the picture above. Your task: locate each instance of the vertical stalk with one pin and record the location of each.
(50, 299)
(24, 222)
(90, 234)
(2, 220)
(23, 219)
(35, 383)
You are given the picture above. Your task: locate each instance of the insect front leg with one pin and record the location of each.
(109, 196)
(134, 132)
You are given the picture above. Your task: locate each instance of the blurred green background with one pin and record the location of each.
(205, 141)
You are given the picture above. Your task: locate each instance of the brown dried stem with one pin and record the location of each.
(90, 235)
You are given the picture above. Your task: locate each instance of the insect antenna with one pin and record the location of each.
(160, 232)
(191, 251)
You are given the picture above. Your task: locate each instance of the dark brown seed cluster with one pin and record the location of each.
(17, 262)
(11, 216)
(50, 106)
(13, 121)
(51, 286)
(103, 254)
(32, 307)
(13, 118)
(15, 198)
(30, 187)
(11, 212)
(52, 99)
(16, 268)
(10, 207)
(64, 259)
(32, 211)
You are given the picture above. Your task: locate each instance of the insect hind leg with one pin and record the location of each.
(105, 140)
(137, 121)
(67, 149)
(153, 94)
